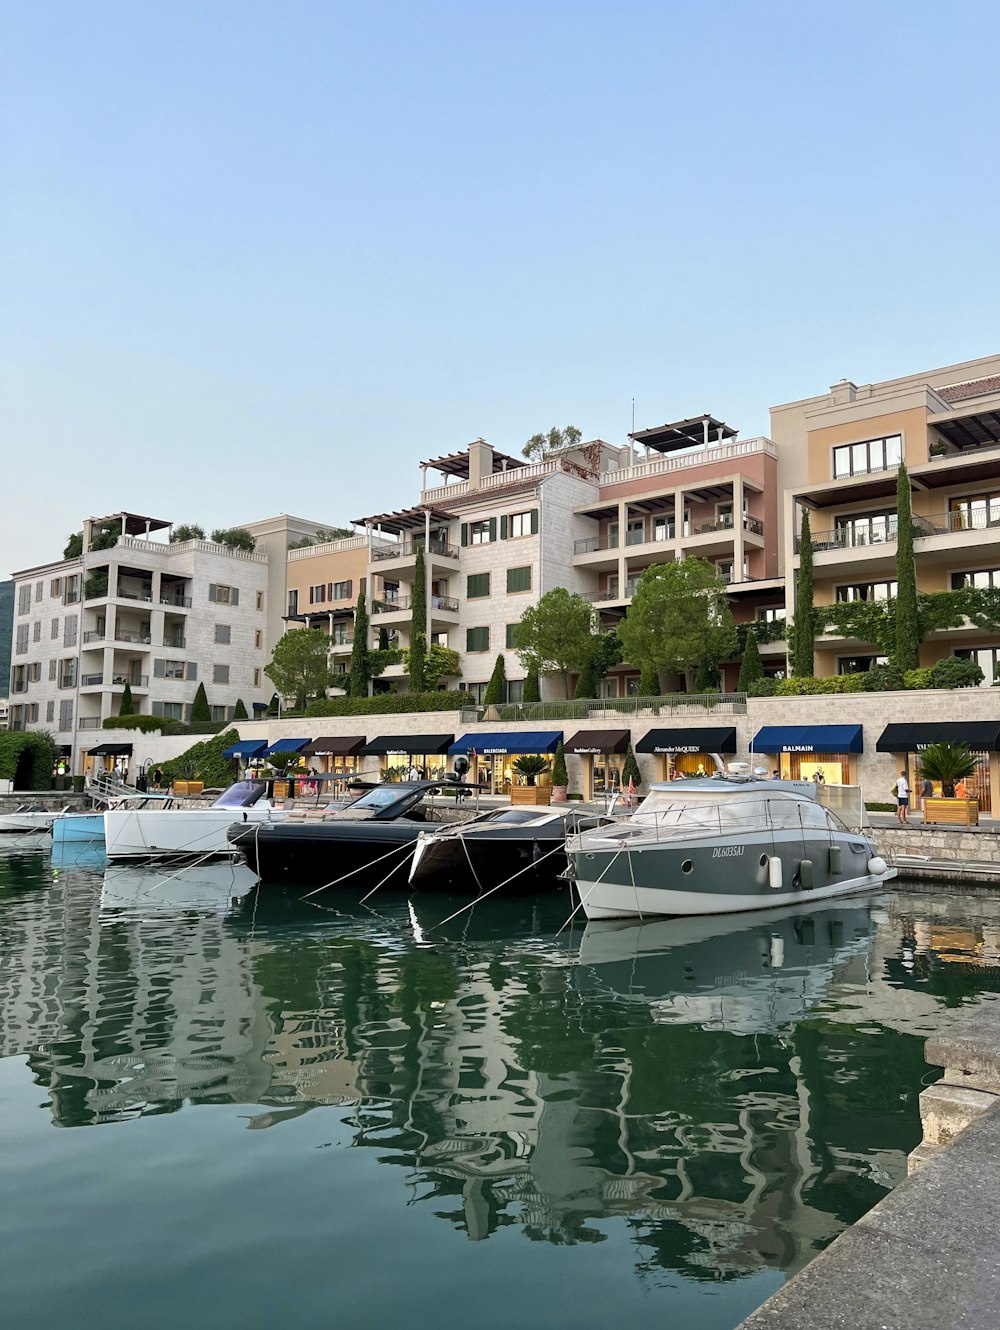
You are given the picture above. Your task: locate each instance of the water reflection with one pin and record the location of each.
(730, 1092)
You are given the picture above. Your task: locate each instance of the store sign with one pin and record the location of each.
(493, 752)
(799, 748)
(678, 748)
(583, 752)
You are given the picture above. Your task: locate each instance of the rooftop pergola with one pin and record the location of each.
(457, 464)
(699, 431)
(408, 519)
(130, 524)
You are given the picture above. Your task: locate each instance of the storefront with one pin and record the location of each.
(687, 750)
(287, 754)
(491, 756)
(602, 757)
(336, 757)
(410, 756)
(108, 758)
(825, 753)
(981, 737)
(245, 752)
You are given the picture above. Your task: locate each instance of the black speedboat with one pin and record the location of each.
(517, 850)
(371, 837)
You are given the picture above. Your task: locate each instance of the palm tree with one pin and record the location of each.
(947, 763)
(530, 766)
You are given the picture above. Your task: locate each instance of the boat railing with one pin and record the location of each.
(725, 821)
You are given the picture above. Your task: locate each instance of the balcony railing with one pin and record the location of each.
(612, 593)
(71, 598)
(446, 603)
(986, 519)
(133, 680)
(93, 636)
(139, 639)
(591, 544)
(341, 643)
(866, 535)
(390, 606)
(91, 680)
(176, 602)
(89, 723)
(146, 596)
(752, 524)
(175, 644)
(408, 548)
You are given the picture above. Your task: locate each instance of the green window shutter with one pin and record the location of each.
(503, 527)
(159, 669)
(493, 528)
(477, 639)
(477, 585)
(534, 521)
(465, 533)
(519, 579)
(213, 591)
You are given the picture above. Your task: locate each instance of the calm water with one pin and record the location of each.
(275, 1115)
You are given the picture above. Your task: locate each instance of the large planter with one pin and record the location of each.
(535, 795)
(559, 793)
(952, 812)
(188, 786)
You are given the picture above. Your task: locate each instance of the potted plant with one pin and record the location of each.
(528, 767)
(560, 778)
(948, 764)
(184, 780)
(938, 448)
(283, 765)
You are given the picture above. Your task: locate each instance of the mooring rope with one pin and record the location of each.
(471, 904)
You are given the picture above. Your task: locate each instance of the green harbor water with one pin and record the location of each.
(267, 1114)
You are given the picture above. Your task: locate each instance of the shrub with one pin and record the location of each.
(955, 672)
(880, 808)
(762, 688)
(917, 678)
(803, 686)
(389, 704)
(239, 710)
(883, 679)
(200, 710)
(145, 724)
(560, 776)
(27, 758)
(204, 761)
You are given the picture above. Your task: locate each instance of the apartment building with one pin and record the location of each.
(844, 449)
(134, 609)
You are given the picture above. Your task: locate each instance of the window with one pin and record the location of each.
(169, 669)
(477, 585)
(217, 713)
(171, 710)
(511, 641)
(55, 587)
(23, 599)
(521, 524)
(982, 578)
(339, 635)
(479, 533)
(317, 594)
(54, 629)
(223, 633)
(518, 579)
(770, 613)
(477, 639)
(35, 671)
(71, 590)
(31, 713)
(857, 459)
(293, 602)
(260, 600)
(220, 673)
(22, 639)
(988, 660)
(478, 690)
(19, 679)
(975, 512)
(53, 666)
(258, 640)
(859, 664)
(50, 712)
(867, 591)
(39, 590)
(256, 678)
(223, 595)
(340, 590)
(635, 532)
(67, 673)
(439, 639)
(66, 714)
(515, 690)
(861, 529)
(69, 631)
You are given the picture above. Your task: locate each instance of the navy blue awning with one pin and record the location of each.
(491, 745)
(809, 739)
(284, 746)
(246, 748)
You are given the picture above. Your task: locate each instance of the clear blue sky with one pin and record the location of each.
(262, 257)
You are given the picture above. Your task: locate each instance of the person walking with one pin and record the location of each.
(926, 791)
(902, 788)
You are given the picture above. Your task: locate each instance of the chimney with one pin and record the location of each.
(843, 392)
(480, 463)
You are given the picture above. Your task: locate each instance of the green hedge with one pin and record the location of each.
(204, 762)
(835, 683)
(162, 725)
(389, 704)
(41, 757)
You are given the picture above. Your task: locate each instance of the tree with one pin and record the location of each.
(74, 546)
(678, 618)
(186, 531)
(907, 653)
(383, 639)
(586, 684)
(323, 536)
(708, 679)
(539, 446)
(649, 682)
(560, 776)
(359, 677)
(751, 668)
(532, 692)
(300, 664)
(200, 710)
(947, 763)
(496, 689)
(239, 710)
(235, 538)
(438, 663)
(418, 625)
(127, 707)
(630, 770)
(555, 634)
(274, 706)
(606, 650)
(803, 628)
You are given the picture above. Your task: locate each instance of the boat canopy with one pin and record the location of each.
(246, 748)
(689, 739)
(982, 736)
(809, 739)
(499, 744)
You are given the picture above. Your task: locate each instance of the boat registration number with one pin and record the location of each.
(728, 851)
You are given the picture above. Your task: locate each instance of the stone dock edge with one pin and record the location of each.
(927, 1257)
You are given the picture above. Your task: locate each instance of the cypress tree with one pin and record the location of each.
(199, 708)
(649, 682)
(560, 776)
(418, 625)
(802, 641)
(630, 770)
(750, 667)
(532, 692)
(274, 706)
(127, 707)
(497, 686)
(239, 710)
(359, 678)
(907, 655)
(586, 684)
(708, 678)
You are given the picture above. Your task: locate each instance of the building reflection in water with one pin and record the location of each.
(735, 1091)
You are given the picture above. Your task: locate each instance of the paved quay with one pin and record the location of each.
(924, 855)
(925, 1258)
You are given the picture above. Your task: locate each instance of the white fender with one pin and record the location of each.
(774, 872)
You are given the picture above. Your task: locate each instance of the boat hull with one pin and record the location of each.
(79, 827)
(691, 877)
(325, 852)
(472, 865)
(176, 833)
(20, 824)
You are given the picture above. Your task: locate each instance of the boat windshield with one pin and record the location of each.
(241, 795)
(734, 816)
(382, 797)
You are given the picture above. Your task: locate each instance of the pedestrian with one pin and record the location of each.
(902, 788)
(926, 790)
(776, 774)
(157, 777)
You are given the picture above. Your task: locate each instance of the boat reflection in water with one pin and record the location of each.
(214, 887)
(80, 853)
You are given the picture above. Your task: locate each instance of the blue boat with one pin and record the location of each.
(79, 827)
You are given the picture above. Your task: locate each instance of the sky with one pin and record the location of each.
(262, 257)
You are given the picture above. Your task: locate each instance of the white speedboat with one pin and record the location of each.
(727, 843)
(176, 833)
(28, 818)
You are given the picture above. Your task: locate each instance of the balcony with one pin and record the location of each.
(393, 606)
(591, 544)
(95, 636)
(92, 681)
(136, 639)
(437, 549)
(89, 723)
(753, 525)
(448, 604)
(175, 644)
(133, 680)
(176, 602)
(144, 596)
(864, 536)
(341, 644)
